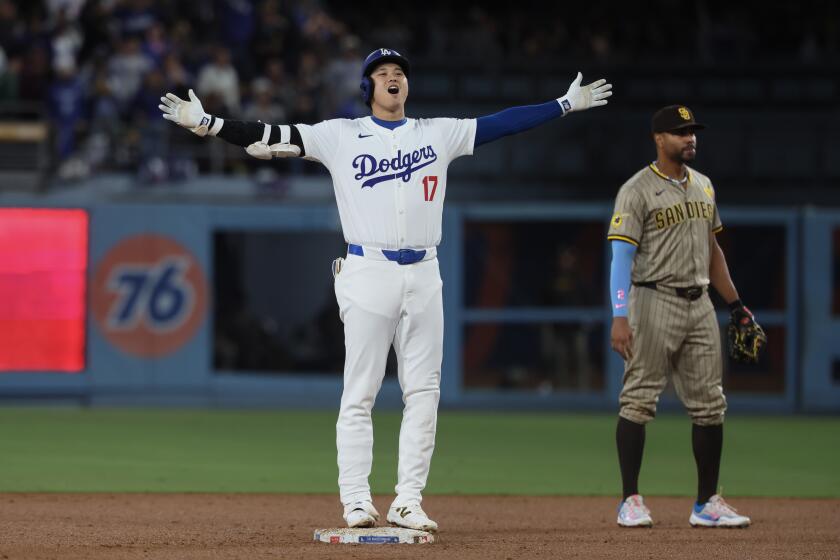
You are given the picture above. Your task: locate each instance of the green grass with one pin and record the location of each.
(130, 450)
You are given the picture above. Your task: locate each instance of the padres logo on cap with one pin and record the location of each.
(148, 295)
(684, 113)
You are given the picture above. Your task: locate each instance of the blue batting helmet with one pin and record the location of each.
(374, 59)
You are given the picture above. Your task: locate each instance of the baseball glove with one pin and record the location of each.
(746, 337)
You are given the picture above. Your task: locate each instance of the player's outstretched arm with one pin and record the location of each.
(260, 140)
(581, 98)
(519, 119)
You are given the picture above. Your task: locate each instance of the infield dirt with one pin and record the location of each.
(253, 526)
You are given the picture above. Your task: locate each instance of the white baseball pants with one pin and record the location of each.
(384, 303)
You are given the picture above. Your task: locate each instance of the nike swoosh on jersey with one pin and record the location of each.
(660, 192)
(365, 135)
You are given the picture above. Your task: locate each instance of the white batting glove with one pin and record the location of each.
(189, 114)
(581, 98)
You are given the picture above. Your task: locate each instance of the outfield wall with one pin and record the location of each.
(231, 305)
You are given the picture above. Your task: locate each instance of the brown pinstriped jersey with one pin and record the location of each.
(669, 224)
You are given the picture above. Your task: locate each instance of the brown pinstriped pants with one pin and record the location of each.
(676, 337)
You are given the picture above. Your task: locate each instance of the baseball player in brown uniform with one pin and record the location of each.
(663, 241)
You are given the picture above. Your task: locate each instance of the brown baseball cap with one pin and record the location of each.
(674, 117)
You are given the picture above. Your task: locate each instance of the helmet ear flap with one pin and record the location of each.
(367, 89)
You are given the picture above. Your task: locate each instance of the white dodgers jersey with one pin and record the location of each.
(389, 184)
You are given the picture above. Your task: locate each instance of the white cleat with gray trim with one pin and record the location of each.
(411, 516)
(359, 515)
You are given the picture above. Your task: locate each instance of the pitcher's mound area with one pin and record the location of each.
(249, 526)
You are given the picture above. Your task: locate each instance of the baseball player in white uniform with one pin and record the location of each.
(389, 175)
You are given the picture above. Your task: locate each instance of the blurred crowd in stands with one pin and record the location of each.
(97, 68)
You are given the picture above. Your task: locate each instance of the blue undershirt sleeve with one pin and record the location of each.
(622, 262)
(513, 120)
